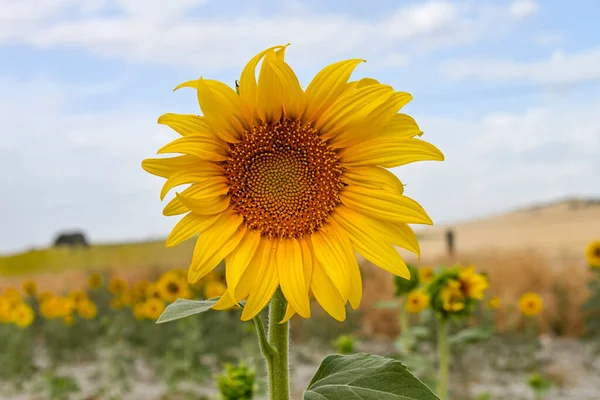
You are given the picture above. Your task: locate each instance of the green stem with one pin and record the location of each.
(275, 348)
(539, 395)
(403, 317)
(443, 358)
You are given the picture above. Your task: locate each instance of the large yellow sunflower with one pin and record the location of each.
(286, 183)
(592, 254)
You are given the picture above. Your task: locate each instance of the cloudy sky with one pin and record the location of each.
(509, 90)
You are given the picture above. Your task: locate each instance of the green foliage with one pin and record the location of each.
(17, 348)
(403, 286)
(345, 344)
(237, 382)
(182, 308)
(365, 377)
(591, 308)
(471, 336)
(60, 387)
(539, 384)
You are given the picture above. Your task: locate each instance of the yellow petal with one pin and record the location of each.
(186, 124)
(215, 244)
(205, 206)
(401, 125)
(270, 92)
(265, 285)
(330, 256)
(327, 86)
(197, 172)
(289, 313)
(290, 270)
(369, 243)
(374, 178)
(384, 205)
(307, 260)
(366, 82)
(190, 225)
(176, 207)
(389, 152)
(351, 109)
(224, 303)
(355, 294)
(239, 259)
(293, 99)
(222, 108)
(248, 87)
(252, 271)
(205, 148)
(165, 167)
(326, 293)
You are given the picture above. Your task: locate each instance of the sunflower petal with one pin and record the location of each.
(355, 294)
(186, 124)
(214, 97)
(307, 260)
(165, 167)
(289, 313)
(384, 205)
(225, 302)
(189, 226)
(293, 99)
(389, 152)
(176, 207)
(239, 259)
(329, 253)
(327, 86)
(291, 275)
(264, 285)
(215, 244)
(205, 206)
(374, 178)
(205, 148)
(369, 242)
(327, 294)
(401, 125)
(198, 172)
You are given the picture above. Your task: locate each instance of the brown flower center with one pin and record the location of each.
(597, 252)
(284, 180)
(172, 287)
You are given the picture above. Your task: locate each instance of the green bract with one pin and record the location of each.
(403, 286)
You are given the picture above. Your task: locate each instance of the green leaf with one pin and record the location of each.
(470, 336)
(184, 308)
(365, 377)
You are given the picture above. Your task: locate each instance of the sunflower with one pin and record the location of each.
(592, 254)
(152, 292)
(44, 295)
(214, 289)
(139, 311)
(118, 286)
(453, 298)
(416, 301)
(78, 296)
(426, 274)
(172, 287)
(153, 308)
(13, 295)
(22, 315)
(287, 183)
(87, 309)
(6, 309)
(472, 284)
(94, 281)
(138, 292)
(29, 287)
(530, 304)
(494, 303)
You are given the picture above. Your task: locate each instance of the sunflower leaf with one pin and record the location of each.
(182, 308)
(365, 377)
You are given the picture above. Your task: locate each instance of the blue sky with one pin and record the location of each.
(509, 90)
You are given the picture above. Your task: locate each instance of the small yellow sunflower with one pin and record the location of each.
(152, 292)
(592, 254)
(29, 287)
(6, 309)
(94, 281)
(118, 286)
(153, 308)
(139, 311)
(78, 296)
(416, 301)
(530, 304)
(172, 287)
(214, 289)
(453, 299)
(87, 309)
(57, 307)
(472, 284)
(44, 295)
(13, 295)
(286, 183)
(22, 315)
(426, 274)
(494, 303)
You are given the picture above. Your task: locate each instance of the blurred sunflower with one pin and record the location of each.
(592, 254)
(172, 287)
(139, 311)
(287, 183)
(452, 296)
(22, 315)
(494, 303)
(69, 320)
(416, 301)
(78, 296)
(472, 284)
(152, 292)
(530, 304)
(44, 295)
(214, 289)
(29, 287)
(87, 309)
(94, 281)
(138, 292)
(6, 308)
(426, 274)
(118, 286)
(153, 308)
(13, 295)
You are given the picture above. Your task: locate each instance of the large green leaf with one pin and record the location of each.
(182, 308)
(365, 377)
(470, 336)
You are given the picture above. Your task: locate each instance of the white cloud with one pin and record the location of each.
(171, 33)
(523, 8)
(558, 67)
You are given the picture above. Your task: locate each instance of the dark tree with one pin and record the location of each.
(71, 239)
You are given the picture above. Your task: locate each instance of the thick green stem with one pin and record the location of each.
(279, 340)
(403, 318)
(443, 358)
